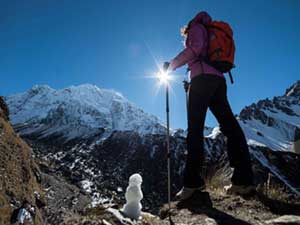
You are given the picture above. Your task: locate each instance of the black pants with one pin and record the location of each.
(210, 91)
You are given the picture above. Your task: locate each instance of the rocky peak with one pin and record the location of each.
(285, 104)
(294, 90)
(38, 89)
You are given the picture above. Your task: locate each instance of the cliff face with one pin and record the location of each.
(18, 172)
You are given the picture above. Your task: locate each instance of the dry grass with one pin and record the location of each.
(216, 178)
(96, 211)
(276, 191)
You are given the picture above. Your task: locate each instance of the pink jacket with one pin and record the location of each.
(195, 48)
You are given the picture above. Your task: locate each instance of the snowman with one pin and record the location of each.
(134, 195)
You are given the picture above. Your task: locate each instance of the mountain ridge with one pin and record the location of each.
(77, 111)
(274, 122)
(86, 111)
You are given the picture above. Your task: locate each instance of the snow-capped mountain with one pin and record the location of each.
(77, 112)
(85, 111)
(274, 123)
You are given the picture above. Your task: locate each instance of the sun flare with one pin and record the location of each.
(163, 77)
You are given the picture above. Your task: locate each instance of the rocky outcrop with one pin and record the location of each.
(294, 90)
(254, 112)
(288, 220)
(62, 198)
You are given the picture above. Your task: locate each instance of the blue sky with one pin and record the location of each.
(112, 44)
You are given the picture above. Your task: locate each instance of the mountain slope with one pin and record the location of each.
(274, 123)
(19, 174)
(77, 112)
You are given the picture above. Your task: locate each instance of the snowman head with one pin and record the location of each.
(135, 179)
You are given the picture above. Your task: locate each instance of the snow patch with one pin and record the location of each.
(87, 186)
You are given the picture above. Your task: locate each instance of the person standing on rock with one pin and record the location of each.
(208, 90)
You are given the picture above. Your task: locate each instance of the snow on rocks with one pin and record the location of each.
(273, 122)
(87, 186)
(120, 216)
(287, 219)
(214, 133)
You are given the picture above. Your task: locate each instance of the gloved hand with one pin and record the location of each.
(166, 66)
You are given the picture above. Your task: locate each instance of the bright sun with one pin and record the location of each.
(163, 77)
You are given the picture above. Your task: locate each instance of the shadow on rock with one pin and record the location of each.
(279, 207)
(201, 203)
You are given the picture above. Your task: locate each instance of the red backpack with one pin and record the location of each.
(221, 47)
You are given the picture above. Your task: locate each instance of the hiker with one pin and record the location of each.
(23, 214)
(208, 90)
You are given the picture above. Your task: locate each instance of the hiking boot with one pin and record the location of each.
(239, 189)
(186, 193)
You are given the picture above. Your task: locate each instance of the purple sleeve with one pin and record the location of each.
(195, 43)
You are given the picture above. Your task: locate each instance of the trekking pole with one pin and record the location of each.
(165, 69)
(168, 145)
(164, 78)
